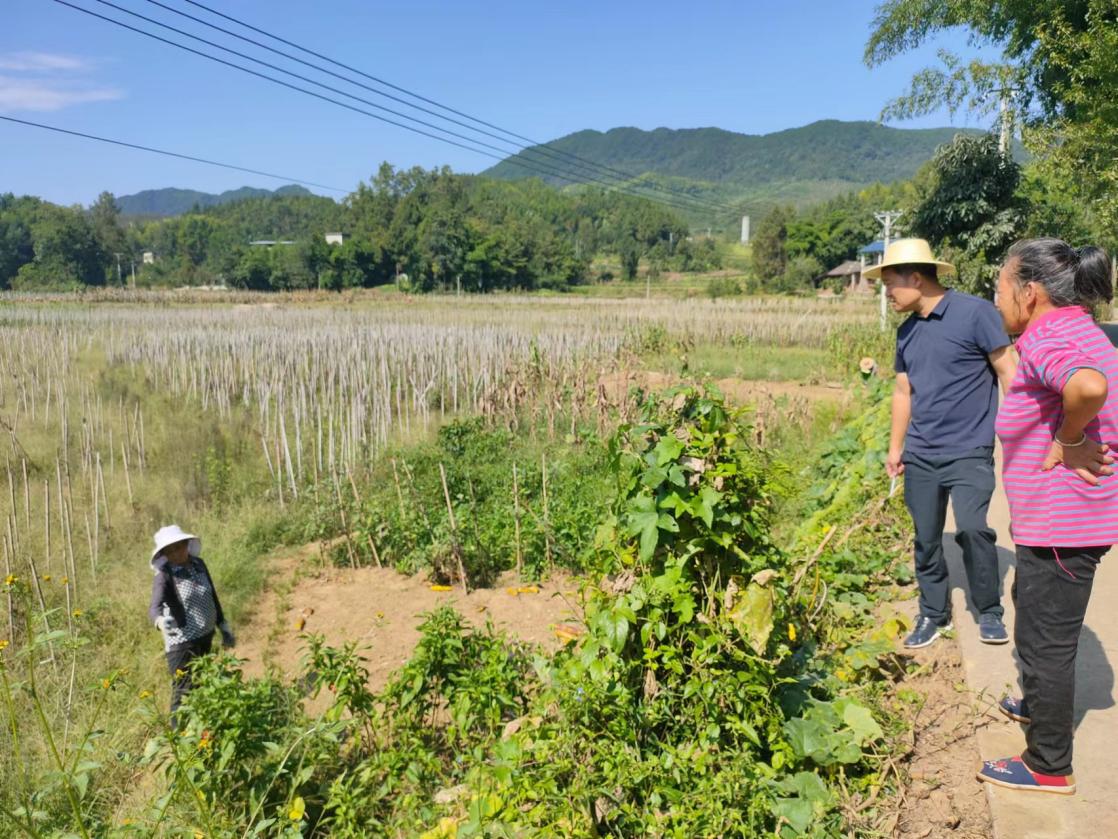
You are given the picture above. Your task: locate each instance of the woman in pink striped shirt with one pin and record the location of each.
(1056, 425)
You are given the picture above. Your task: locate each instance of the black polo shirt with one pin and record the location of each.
(954, 386)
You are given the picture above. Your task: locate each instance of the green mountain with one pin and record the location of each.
(175, 202)
(798, 166)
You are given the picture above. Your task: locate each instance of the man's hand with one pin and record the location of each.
(893, 465)
(1088, 461)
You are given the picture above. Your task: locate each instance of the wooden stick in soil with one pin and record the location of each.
(127, 476)
(345, 522)
(399, 492)
(42, 604)
(546, 518)
(373, 548)
(26, 499)
(454, 532)
(104, 495)
(516, 520)
(11, 606)
(47, 556)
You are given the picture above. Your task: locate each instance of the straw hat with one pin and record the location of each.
(908, 252)
(172, 534)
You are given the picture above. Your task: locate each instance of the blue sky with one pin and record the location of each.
(540, 70)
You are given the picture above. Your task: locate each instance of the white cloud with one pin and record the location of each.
(43, 81)
(42, 61)
(41, 95)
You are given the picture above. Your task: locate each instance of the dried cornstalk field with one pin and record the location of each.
(316, 389)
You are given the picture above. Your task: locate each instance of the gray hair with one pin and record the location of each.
(1070, 276)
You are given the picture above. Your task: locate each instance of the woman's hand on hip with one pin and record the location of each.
(1088, 460)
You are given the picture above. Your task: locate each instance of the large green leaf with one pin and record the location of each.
(861, 721)
(752, 616)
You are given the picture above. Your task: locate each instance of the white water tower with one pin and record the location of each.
(744, 229)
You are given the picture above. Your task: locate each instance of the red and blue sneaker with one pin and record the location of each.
(1012, 773)
(1015, 709)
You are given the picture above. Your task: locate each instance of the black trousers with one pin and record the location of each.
(968, 480)
(178, 663)
(1050, 592)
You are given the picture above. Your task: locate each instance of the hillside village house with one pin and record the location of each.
(851, 271)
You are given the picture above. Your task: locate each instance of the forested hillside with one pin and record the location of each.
(172, 202)
(798, 166)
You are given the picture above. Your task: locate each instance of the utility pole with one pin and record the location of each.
(886, 219)
(133, 261)
(119, 281)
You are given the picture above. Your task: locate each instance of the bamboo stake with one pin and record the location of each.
(8, 591)
(546, 518)
(516, 519)
(26, 498)
(454, 533)
(47, 556)
(104, 495)
(127, 476)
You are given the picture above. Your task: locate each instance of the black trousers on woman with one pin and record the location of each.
(178, 662)
(1051, 589)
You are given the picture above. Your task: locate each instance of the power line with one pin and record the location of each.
(540, 147)
(592, 169)
(171, 154)
(265, 76)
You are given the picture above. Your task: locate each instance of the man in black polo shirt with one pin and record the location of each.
(951, 352)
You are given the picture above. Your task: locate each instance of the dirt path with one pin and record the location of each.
(382, 609)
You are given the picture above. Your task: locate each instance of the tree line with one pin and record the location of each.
(972, 200)
(421, 229)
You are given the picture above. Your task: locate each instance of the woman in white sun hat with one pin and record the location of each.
(184, 606)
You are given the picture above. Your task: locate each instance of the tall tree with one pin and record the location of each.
(1059, 74)
(769, 255)
(104, 217)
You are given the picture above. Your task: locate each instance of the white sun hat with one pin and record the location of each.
(171, 534)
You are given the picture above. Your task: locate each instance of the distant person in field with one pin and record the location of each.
(951, 353)
(1056, 426)
(184, 607)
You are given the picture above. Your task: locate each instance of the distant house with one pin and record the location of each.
(149, 258)
(850, 272)
(335, 238)
(874, 252)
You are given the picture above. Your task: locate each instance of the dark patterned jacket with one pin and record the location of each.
(184, 602)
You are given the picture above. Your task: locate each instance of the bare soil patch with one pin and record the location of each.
(740, 391)
(382, 609)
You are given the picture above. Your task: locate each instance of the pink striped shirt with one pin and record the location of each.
(1057, 508)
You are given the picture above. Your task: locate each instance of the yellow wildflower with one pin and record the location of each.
(792, 633)
(106, 684)
(46, 578)
(179, 673)
(3, 644)
(10, 580)
(298, 807)
(145, 694)
(77, 613)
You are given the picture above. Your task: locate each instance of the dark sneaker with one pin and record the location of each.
(1011, 772)
(925, 633)
(1015, 709)
(991, 630)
